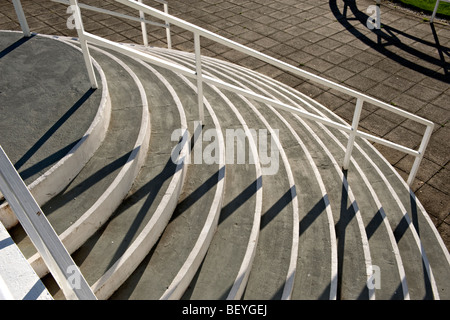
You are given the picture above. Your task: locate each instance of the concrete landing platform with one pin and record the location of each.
(47, 104)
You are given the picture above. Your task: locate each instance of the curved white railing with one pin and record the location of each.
(197, 74)
(55, 249)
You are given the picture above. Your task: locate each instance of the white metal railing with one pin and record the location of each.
(141, 18)
(196, 74)
(61, 265)
(436, 8)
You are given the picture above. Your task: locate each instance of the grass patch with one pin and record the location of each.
(428, 6)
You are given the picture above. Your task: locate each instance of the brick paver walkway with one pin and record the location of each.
(405, 63)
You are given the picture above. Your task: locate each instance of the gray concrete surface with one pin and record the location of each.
(405, 63)
(46, 103)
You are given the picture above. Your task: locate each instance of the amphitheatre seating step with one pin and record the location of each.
(396, 218)
(143, 224)
(231, 253)
(168, 269)
(87, 202)
(381, 216)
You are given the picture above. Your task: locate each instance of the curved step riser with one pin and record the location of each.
(331, 281)
(330, 228)
(86, 225)
(118, 273)
(159, 227)
(64, 171)
(371, 191)
(422, 255)
(183, 278)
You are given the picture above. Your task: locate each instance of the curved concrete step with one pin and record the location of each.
(286, 283)
(89, 200)
(394, 286)
(252, 80)
(394, 265)
(136, 225)
(66, 125)
(184, 231)
(232, 251)
(389, 195)
(182, 247)
(313, 202)
(160, 184)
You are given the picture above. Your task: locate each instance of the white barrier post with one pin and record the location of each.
(22, 19)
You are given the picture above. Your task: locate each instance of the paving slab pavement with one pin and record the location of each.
(405, 63)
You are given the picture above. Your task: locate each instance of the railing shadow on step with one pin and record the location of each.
(387, 37)
(46, 136)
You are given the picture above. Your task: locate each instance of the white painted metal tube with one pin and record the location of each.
(387, 143)
(22, 19)
(138, 54)
(275, 62)
(112, 13)
(41, 233)
(84, 47)
(198, 67)
(143, 27)
(275, 103)
(418, 160)
(435, 11)
(352, 135)
(436, 8)
(168, 36)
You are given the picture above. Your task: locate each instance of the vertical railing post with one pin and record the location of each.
(418, 160)
(198, 67)
(83, 43)
(378, 25)
(352, 136)
(22, 19)
(143, 26)
(169, 39)
(435, 10)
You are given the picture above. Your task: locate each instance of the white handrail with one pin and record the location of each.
(86, 55)
(361, 98)
(45, 239)
(141, 18)
(201, 32)
(436, 9)
(250, 94)
(266, 58)
(112, 13)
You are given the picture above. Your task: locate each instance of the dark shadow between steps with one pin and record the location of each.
(149, 191)
(182, 206)
(18, 233)
(313, 214)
